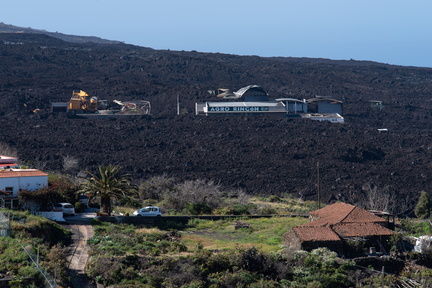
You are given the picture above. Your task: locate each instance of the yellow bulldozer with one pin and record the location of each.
(82, 104)
(81, 101)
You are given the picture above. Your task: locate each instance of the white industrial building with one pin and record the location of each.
(254, 100)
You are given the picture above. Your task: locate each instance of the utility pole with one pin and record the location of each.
(318, 187)
(178, 104)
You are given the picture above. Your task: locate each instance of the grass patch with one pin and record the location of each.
(416, 227)
(265, 234)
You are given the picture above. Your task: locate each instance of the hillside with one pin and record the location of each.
(260, 154)
(5, 28)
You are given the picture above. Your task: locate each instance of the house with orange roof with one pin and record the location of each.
(14, 180)
(336, 225)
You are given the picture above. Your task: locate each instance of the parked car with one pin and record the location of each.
(67, 208)
(148, 211)
(83, 199)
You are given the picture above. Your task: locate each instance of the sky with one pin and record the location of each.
(396, 32)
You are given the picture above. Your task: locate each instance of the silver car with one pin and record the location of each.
(148, 211)
(67, 208)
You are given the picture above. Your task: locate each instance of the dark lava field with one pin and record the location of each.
(260, 154)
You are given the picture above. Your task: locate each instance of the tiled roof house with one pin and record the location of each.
(14, 180)
(333, 225)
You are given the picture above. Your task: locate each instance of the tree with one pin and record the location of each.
(108, 183)
(197, 196)
(422, 209)
(7, 150)
(70, 163)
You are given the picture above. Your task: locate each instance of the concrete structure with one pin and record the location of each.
(56, 216)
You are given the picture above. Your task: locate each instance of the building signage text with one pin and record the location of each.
(239, 109)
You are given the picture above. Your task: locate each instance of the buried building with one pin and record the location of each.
(253, 99)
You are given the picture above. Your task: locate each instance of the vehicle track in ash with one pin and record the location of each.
(78, 250)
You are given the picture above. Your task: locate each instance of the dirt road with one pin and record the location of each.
(82, 230)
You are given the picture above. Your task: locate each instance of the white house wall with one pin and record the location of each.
(10, 182)
(23, 183)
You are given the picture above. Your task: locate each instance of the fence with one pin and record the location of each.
(4, 225)
(49, 280)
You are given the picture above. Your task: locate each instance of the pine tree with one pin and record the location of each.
(423, 207)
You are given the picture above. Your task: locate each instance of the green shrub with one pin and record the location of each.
(79, 207)
(267, 210)
(415, 228)
(25, 225)
(154, 237)
(423, 207)
(197, 209)
(234, 210)
(163, 246)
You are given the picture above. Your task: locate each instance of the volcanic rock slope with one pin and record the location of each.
(260, 154)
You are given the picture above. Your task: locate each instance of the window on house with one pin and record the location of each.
(8, 190)
(8, 203)
(11, 203)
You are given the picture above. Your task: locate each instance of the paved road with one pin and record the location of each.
(82, 230)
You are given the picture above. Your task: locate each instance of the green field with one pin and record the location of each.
(265, 234)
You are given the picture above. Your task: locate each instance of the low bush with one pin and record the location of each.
(197, 209)
(79, 207)
(26, 225)
(234, 210)
(415, 228)
(36, 235)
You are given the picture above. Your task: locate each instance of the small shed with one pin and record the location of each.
(327, 105)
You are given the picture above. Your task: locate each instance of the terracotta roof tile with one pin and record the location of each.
(306, 233)
(341, 220)
(361, 215)
(22, 173)
(361, 230)
(334, 213)
(342, 213)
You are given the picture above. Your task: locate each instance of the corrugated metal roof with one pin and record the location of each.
(255, 88)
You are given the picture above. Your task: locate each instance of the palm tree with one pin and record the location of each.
(107, 183)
